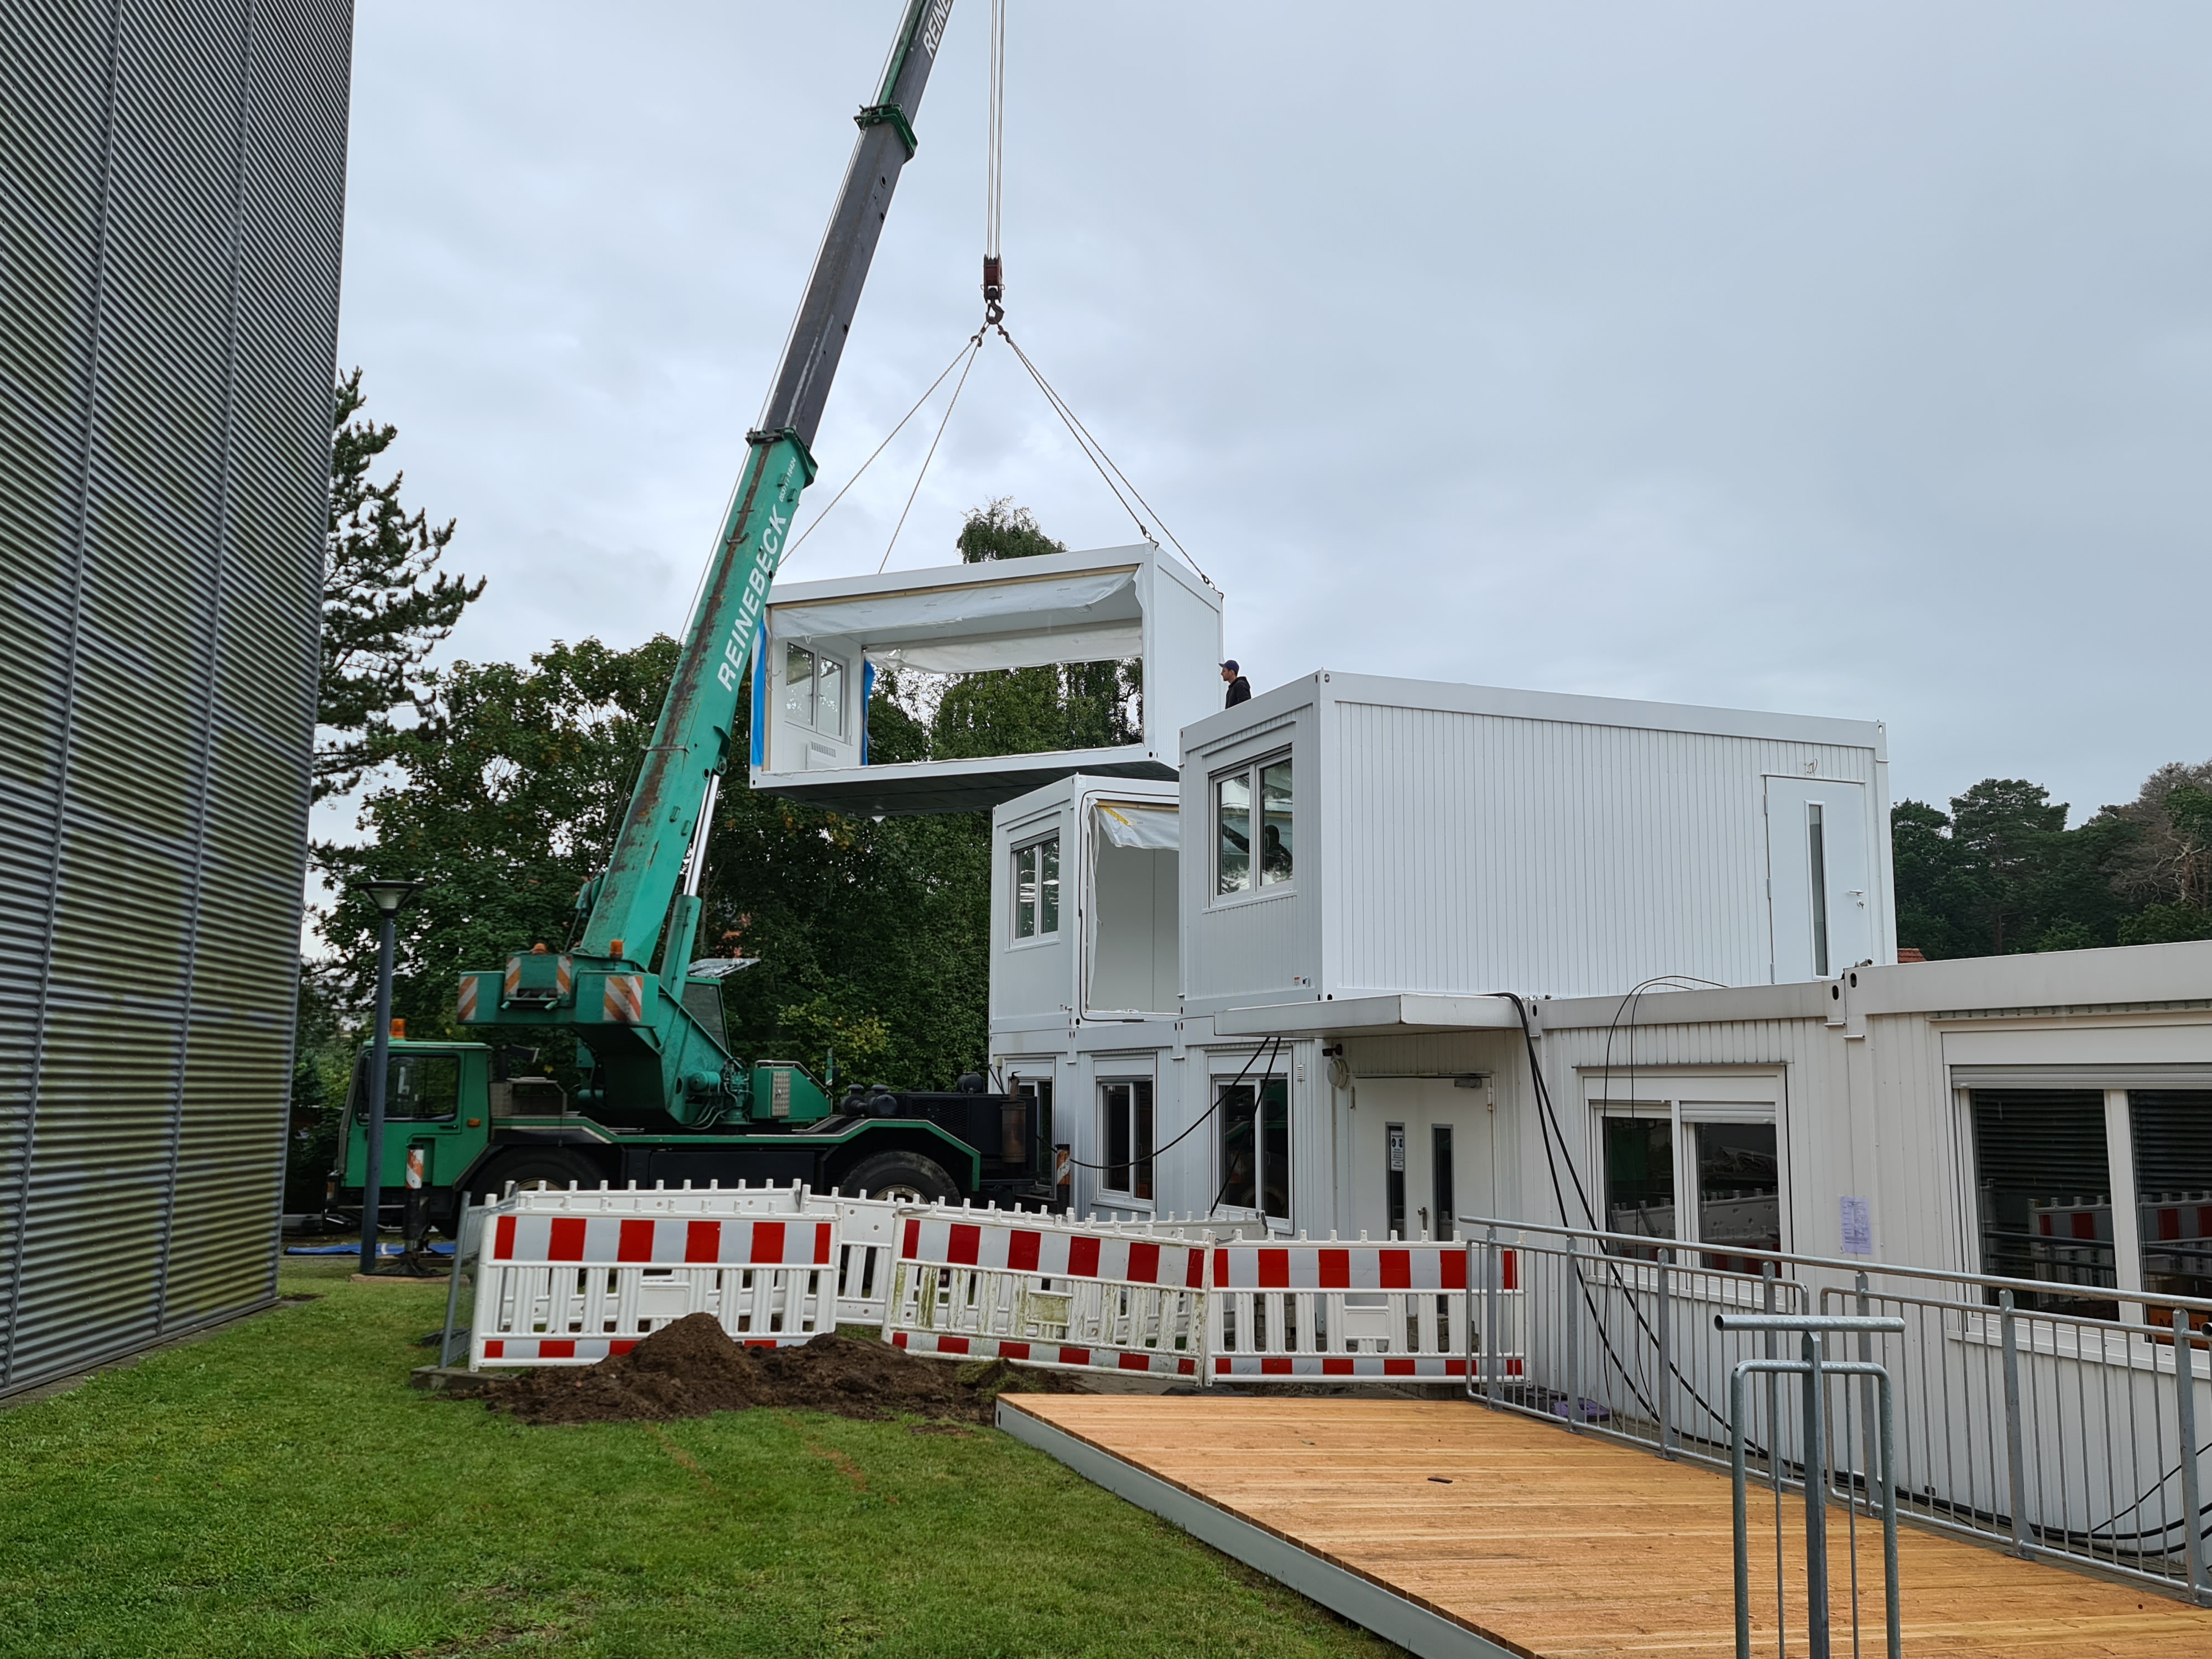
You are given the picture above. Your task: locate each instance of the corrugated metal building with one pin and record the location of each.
(174, 203)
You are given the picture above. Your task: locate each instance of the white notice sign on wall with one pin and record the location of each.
(1858, 1227)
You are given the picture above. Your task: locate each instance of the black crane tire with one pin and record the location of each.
(535, 1169)
(907, 1176)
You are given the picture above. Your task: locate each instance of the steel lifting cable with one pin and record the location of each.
(975, 346)
(974, 341)
(1101, 459)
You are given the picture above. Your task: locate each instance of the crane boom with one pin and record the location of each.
(649, 1048)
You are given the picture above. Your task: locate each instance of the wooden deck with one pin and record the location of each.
(1545, 1543)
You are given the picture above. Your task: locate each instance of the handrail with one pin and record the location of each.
(1852, 1265)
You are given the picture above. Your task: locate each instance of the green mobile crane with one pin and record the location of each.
(662, 1095)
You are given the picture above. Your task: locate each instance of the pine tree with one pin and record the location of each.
(386, 606)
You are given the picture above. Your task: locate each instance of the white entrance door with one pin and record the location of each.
(1421, 1157)
(1819, 886)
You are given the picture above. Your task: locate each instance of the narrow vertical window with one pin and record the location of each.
(1440, 1181)
(1048, 853)
(1232, 816)
(1240, 1147)
(1025, 892)
(1275, 1149)
(1275, 822)
(830, 698)
(1394, 1181)
(1129, 1112)
(1639, 1179)
(797, 685)
(1815, 843)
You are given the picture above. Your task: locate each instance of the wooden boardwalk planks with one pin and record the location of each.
(1559, 1546)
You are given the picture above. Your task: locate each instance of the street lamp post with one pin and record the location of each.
(390, 897)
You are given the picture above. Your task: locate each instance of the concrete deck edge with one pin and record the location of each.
(1391, 1616)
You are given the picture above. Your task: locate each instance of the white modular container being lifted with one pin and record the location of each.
(1355, 836)
(1084, 902)
(824, 643)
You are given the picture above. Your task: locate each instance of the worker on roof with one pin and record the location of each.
(1240, 688)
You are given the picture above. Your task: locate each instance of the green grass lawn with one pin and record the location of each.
(278, 1489)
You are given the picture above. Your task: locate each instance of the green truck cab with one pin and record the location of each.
(479, 1132)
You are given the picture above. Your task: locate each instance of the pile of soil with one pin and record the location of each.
(691, 1367)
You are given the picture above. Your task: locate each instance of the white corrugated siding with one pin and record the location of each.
(1478, 852)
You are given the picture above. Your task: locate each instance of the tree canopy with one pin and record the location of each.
(385, 604)
(2000, 872)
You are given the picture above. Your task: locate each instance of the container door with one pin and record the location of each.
(1819, 885)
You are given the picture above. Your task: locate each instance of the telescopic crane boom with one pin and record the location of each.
(651, 1050)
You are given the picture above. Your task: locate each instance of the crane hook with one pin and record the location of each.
(994, 290)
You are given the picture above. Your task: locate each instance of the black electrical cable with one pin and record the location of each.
(1273, 1055)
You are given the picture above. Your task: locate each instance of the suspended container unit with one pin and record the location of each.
(1347, 837)
(824, 645)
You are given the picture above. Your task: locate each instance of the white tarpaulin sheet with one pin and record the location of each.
(930, 614)
(1153, 828)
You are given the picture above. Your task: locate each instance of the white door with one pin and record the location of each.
(1819, 886)
(1421, 1157)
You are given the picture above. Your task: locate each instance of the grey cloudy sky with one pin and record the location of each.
(1849, 359)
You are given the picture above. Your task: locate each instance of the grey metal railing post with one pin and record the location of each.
(2192, 1499)
(1770, 1342)
(1893, 1612)
(1742, 1509)
(2015, 1452)
(1816, 1504)
(1492, 1285)
(1574, 1310)
(1866, 1388)
(1664, 1394)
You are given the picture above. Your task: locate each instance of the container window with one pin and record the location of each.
(830, 697)
(1739, 1191)
(2043, 1193)
(1233, 814)
(1127, 1108)
(1275, 822)
(1255, 1147)
(797, 685)
(1817, 851)
(2173, 1187)
(1639, 1178)
(1037, 888)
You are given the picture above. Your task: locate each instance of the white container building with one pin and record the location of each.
(1349, 848)
(824, 643)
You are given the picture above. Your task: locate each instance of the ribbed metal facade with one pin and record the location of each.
(172, 199)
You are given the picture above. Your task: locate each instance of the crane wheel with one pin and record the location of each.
(909, 1177)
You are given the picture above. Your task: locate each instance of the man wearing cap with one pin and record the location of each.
(1240, 688)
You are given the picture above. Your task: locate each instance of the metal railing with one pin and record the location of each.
(2050, 1425)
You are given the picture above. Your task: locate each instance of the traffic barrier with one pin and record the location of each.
(1308, 1309)
(991, 1285)
(573, 1285)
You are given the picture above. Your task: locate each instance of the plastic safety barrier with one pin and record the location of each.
(572, 1284)
(1304, 1310)
(992, 1285)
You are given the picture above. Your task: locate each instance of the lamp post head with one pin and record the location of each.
(390, 893)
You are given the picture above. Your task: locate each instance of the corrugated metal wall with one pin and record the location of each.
(1474, 852)
(174, 206)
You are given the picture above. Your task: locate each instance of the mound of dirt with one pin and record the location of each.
(691, 1367)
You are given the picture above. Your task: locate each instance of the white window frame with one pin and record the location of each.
(1258, 888)
(1126, 1198)
(1016, 940)
(820, 660)
(1684, 1103)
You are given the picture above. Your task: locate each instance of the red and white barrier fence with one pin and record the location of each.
(1316, 1310)
(555, 1289)
(991, 1285)
(570, 1278)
